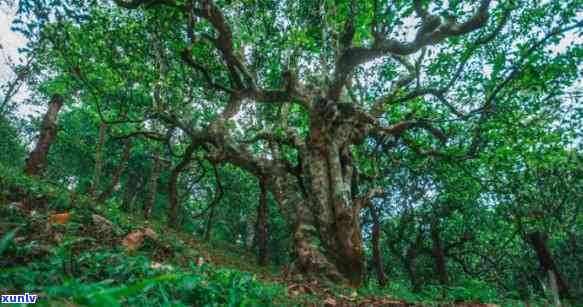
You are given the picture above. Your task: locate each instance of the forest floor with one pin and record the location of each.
(81, 257)
(78, 253)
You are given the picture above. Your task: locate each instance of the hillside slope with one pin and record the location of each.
(76, 253)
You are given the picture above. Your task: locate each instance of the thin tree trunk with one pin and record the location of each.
(554, 288)
(117, 174)
(376, 250)
(37, 159)
(98, 160)
(250, 229)
(546, 260)
(130, 191)
(152, 187)
(173, 185)
(261, 230)
(208, 230)
(217, 198)
(36, 162)
(439, 255)
(411, 260)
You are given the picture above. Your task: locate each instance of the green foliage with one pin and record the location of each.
(14, 182)
(508, 161)
(108, 278)
(7, 239)
(12, 150)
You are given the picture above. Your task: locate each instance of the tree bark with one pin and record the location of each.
(152, 187)
(316, 198)
(36, 162)
(318, 202)
(376, 249)
(439, 255)
(309, 259)
(98, 160)
(116, 174)
(546, 260)
(329, 179)
(261, 230)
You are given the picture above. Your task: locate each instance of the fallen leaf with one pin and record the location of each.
(133, 241)
(60, 218)
(330, 302)
(148, 232)
(299, 288)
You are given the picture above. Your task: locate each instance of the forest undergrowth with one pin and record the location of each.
(78, 253)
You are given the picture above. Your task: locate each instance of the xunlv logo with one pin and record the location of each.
(18, 298)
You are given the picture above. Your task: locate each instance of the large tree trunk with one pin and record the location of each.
(309, 259)
(329, 179)
(37, 159)
(261, 230)
(376, 249)
(116, 174)
(152, 187)
(316, 198)
(439, 255)
(546, 260)
(98, 160)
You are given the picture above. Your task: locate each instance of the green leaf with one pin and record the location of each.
(7, 238)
